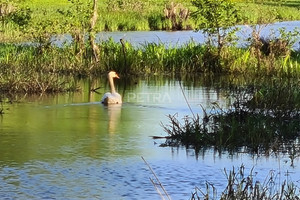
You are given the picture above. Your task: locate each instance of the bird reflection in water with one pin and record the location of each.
(114, 116)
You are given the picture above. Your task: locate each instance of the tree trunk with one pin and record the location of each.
(93, 21)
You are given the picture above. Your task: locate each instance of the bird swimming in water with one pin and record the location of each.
(112, 97)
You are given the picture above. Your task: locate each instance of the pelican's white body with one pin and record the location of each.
(112, 97)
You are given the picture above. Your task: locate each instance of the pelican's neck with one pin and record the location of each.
(111, 83)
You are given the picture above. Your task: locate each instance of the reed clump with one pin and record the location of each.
(6, 9)
(177, 14)
(258, 121)
(273, 53)
(25, 70)
(35, 61)
(242, 186)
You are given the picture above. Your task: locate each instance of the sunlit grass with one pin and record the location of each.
(268, 12)
(149, 58)
(131, 15)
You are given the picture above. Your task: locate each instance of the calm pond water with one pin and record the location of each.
(72, 147)
(138, 38)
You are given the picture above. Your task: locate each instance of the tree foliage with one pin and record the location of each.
(214, 17)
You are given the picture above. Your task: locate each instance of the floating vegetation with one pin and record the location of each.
(262, 119)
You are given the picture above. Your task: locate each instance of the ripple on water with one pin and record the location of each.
(77, 152)
(88, 178)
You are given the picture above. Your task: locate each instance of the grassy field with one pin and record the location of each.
(130, 15)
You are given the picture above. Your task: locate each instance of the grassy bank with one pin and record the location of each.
(129, 15)
(46, 68)
(41, 67)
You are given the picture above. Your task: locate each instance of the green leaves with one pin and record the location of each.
(216, 19)
(18, 15)
(215, 16)
(22, 17)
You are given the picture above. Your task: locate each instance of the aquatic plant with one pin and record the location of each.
(79, 59)
(259, 121)
(157, 184)
(74, 60)
(24, 70)
(266, 49)
(242, 186)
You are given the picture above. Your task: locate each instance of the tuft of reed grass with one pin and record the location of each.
(177, 14)
(242, 186)
(33, 63)
(261, 120)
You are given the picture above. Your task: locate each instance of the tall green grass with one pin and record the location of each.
(128, 15)
(33, 62)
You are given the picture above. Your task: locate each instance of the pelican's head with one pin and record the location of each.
(113, 74)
